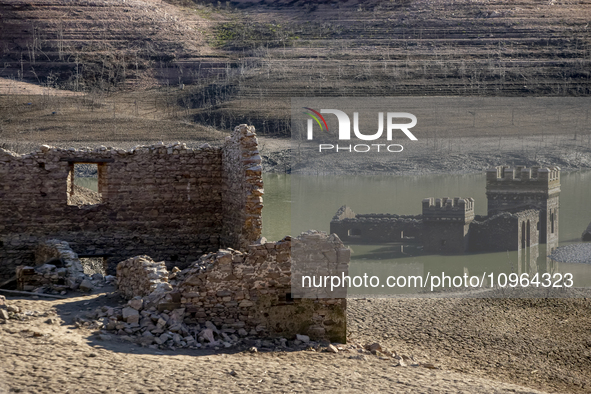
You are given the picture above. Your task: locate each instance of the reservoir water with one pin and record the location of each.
(295, 203)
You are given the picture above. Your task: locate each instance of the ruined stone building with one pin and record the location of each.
(522, 211)
(195, 209)
(169, 202)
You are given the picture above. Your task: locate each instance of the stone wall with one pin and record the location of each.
(56, 267)
(242, 189)
(496, 234)
(141, 276)
(375, 227)
(170, 202)
(250, 291)
(446, 224)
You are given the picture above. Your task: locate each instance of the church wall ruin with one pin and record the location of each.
(522, 212)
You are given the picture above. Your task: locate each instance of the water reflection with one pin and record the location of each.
(314, 201)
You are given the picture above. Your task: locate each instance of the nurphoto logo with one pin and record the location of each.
(344, 130)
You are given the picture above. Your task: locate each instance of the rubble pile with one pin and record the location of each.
(141, 276)
(247, 292)
(58, 269)
(171, 330)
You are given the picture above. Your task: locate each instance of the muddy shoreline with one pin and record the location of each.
(431, 156)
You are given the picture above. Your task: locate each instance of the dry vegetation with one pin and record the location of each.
(241, 61)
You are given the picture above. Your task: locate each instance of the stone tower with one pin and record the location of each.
(446, 224)
(519, 189)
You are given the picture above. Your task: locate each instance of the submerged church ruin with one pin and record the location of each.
(522, 211)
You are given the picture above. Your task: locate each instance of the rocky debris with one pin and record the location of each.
(58, 269)
(56, 250)
(332, 348)
(86, 286)
(575, 253)
(49, 279)
(13, 312)
(170, 330)
(226, 287)
(141, 276)
(303, 338)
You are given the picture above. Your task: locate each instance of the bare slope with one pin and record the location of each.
(80, 45)
(241, 61)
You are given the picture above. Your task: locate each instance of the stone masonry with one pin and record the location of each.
(522, 211)
(169, 202)
(248, 292)
(141, 276)
(56, 266)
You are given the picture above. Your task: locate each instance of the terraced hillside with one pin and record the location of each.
(240, 61)
(83, 45)
(408, 48)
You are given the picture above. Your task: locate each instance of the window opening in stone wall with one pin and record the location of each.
(83, 184)
(354, 232)
(552, 222)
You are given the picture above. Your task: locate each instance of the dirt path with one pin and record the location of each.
(46, 354)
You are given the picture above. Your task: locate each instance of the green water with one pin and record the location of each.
(89, 183)
(317, 198)
(295, 203)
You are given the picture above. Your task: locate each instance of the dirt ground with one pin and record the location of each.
(476, 346)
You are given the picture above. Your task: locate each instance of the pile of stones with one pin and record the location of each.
(146, 326)
(13, 312)
(141, 276)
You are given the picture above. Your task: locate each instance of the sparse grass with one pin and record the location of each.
(139, 117)
(240, 35)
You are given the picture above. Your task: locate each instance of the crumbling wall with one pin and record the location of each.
(250, 291)
(141, 276)
(170, 202)
(242, 189)
(375, 227)
(56, 266)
